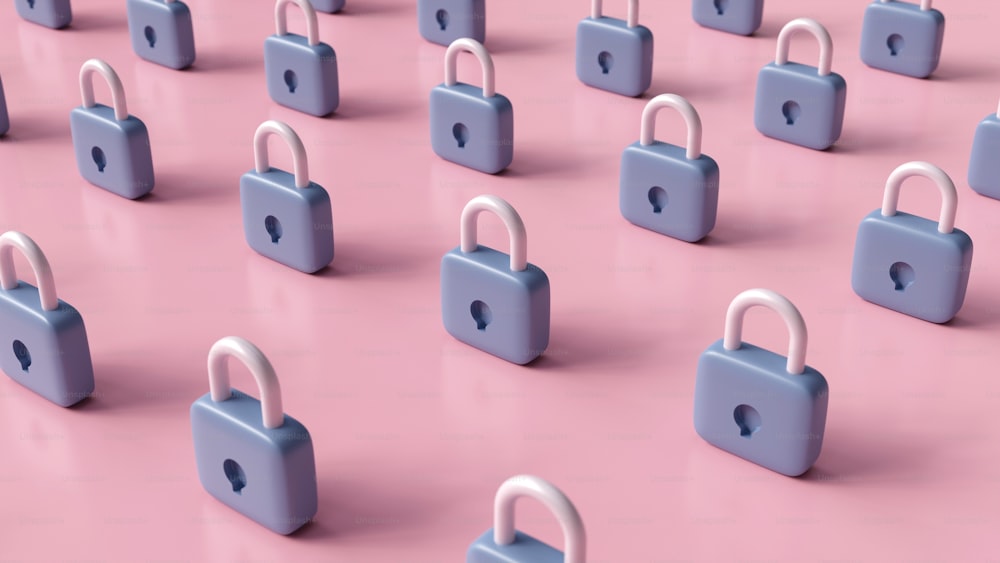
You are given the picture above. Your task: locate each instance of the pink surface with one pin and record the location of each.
(414, 431)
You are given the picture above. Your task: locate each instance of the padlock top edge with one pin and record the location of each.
(924, 226)
(498, 262)
(810, 380)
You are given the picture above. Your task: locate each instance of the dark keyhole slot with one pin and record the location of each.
(461, 133)
(273, 226)
(22, 355)
(235, 474)
(291, 81)
(895, 44)
(721, 6)
(98, 155)
(902, 275)
(657, 198)
(605, 61)
(748, 419)
(442, 18)
(31, 4)
(150, 34)
(791, 110)
(482, 314)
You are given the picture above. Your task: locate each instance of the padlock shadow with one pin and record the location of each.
(368, 107)
(866, 457)
(364, 8)
(98, 21)
(507, 44)
(29, 129)
(172, 186)
(739, 231)
(224, 60)
(124, 385)
(532, 162)
(355, 257)
(952, 72)
(573, 345)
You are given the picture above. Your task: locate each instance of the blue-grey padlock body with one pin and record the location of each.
(305, 216)
(519, 303)
(316, 85)
(821, 99)
(791, 408)
(56, 14)
(630, 71)
(934, 288)
(918, 48)
(984, 162)
(128, 171)
(525, 549)
(691, 188)
(443, 21)
(4, 118)
(742, 17)
(53, 359)
(278, 466)
(162, 33)
(489, 125)
(328, 6)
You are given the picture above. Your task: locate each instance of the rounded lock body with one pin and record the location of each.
(758, 405)
(251, 456)
(471, 126)
(162, 32)
(984, 167)
(742, 17)
(55, 14)
(665, 188)
(4, 118)
(286, 217)
(613, 54)
(301, 71)
(797, 103)
(112, 147)
(911, 264)
(903, 38)
(328, 6)
(444, 21)
(496, 302)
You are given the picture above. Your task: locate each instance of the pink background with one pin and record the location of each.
(414, 431)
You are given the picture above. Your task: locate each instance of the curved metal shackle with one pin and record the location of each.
(39, 265)
(597, 11)
(949, 195)
(797, 336)
(114, 83)
(575, 550)
(924, 4)
(281, 19)
(259, 366)
(299, 160)
(818, 31)
(647, 134)
(485, 60)
(510, 218)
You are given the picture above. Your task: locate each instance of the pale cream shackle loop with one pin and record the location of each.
(818, 31)
(299, 160)
(114, 83)
(647, 134)
(259, 366)
(470, 45)
(949, 196)
(36, 259)
(575, 550)
(797, 336)
(510, 218)
(924, 4)
(597, 11)
(281, 19)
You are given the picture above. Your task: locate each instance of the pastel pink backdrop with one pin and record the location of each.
(414, 431)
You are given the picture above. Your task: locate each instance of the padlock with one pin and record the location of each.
(4, 118)
(666, 188)
(56, 14)
(759, 405)
(112, 147)
(301, 71)
(49, 352)
(161, 32)
(492, 301)
(901, 37)
(250, 455)
(742, 17)
(286, 218)
(444, 21)
(503, 543)
(612, 54)
(984, 166)
(911, 264)
(471, 126)
(328, 6)
(798, 103)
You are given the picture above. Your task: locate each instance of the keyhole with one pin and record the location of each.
(720, 6)
(442, 19)
(658, 198)
(895, 43)
(22, 355)
(150, 36)
(98, 155)
(235, 475)
(31, 4)
(791, 111)
(902, 275)
(606, 61)
(748, 419)
(273, 226)
(461, 133)
(291, 81)
(482, 314)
